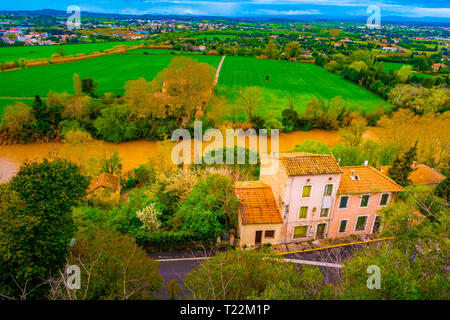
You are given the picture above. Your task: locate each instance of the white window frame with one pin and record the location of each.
(306, 233)
(346, 226)
(310, 191)
(365, 226)
(368, 202)
(339, 202)
(307, 213)
(381, 197)
(332, 190)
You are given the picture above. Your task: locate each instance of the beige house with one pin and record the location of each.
(260, 220)
(305, 186)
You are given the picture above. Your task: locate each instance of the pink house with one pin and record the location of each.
(363, 190)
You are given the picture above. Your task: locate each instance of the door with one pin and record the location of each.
(376, 225)
(320, 231)
(258, 237)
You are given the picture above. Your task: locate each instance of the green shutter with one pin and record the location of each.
(306, 191)
(300, 231)
(303, 212)
(343, 202)
(343, 226)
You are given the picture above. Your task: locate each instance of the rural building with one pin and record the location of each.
(421, 175)
(363, 190)
(305, 186)
(105, 186)
(260, 220)
(309, 196)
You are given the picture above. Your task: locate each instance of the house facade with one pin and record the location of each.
(305, 186)
(362, 192)
(315, 199)
(259, 220)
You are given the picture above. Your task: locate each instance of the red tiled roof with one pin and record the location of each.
(258, 204)
(369, 180)
(298, 164)
(422, 175)
(104, 180)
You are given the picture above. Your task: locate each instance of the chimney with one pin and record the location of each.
(414, 164)
(366, 163)
(353, 173)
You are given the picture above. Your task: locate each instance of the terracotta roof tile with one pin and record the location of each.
(422, 175)
(298, 164)
(104, 180)
(369, 180)
(258, 204)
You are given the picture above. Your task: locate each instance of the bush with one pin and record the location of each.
(163, 239)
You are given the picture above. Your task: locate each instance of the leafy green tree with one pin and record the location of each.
(113, 267)
(320, 60)
(114, 124)
(402, 166)
(312, 146)
(111, 163)
(88, 86)
(242, 274)
(36, 225)
(210, 208)
(47, 118)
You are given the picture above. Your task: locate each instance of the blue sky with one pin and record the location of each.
(231, 8)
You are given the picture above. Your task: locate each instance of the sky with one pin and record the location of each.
(245, 8)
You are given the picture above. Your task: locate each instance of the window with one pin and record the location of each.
(364, 201)
(303, 213)
(324, 212)
(328, 190)
(343, 226)
(384, 199)
(361, 223)
(343, 202)
(300, 231)
(306, 193)
(269, 234)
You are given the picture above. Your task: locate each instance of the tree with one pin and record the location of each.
(77, 85)
(47, 118)
(312, 146)
(210, 208)
(243, 275)
(149, 218)
(404, 73)
(18, 122)
(36, 225)
(402, 166)
(111, 163)
(271, 49)
(320, 60)
(114, 124)
(250, 100)
(292, 49)
(112, 267)
(352, 135)
(188, 83)
(88, 86)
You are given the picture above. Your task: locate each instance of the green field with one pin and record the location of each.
(397, 66)
(300, 81)
(110, 72)
(8, 54)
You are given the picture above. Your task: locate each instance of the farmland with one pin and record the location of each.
(110, 72)
(300, 81)
(397, 66)
(8, 54)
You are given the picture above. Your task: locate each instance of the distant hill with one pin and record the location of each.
(362, 19)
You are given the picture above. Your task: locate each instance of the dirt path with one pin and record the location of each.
(218, 70)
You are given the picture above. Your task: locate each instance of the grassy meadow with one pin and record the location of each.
(110, 72)
(8, 54)
(300, 81)
(397, 66)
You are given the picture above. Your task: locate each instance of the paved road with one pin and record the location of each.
(178, 263)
